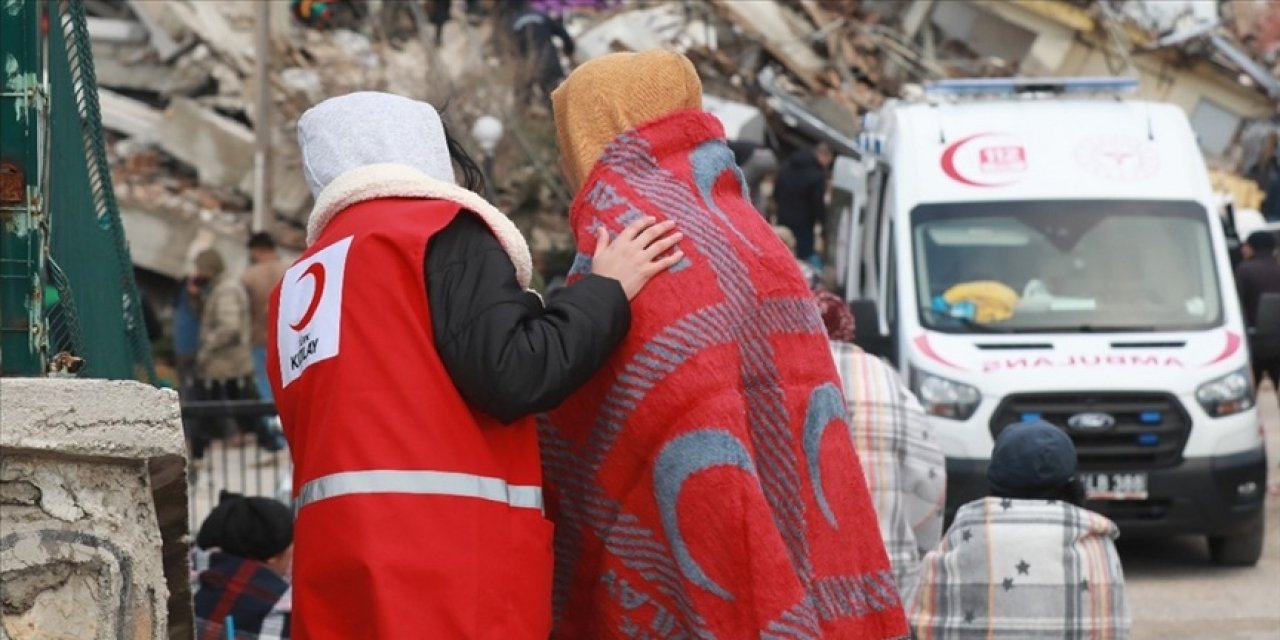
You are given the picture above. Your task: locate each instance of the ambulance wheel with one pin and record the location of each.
(1239, 550)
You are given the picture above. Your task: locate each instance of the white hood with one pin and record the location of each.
(364, 128)
(366, 146)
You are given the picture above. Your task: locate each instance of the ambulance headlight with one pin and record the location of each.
(945, 398)
(1228, 395)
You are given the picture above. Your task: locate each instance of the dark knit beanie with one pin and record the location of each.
(254, 528)
(1030, 460)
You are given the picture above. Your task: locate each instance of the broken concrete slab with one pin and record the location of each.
(212, 23)
(219, 148)
(164, 31)
(115, 31)
(131, 117)
(660, 27)
(774, 26)
(162, 241)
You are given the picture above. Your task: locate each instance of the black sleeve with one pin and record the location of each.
(566, 40)
(817, 195)
(508, 354)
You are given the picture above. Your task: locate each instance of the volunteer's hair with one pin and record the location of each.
(470, 177)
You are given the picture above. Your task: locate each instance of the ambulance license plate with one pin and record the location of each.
(1115, 486)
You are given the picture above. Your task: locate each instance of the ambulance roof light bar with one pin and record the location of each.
(1009, 87)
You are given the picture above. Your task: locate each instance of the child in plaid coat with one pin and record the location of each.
(1026, 562)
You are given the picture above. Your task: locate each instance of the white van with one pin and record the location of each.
(1043, 249)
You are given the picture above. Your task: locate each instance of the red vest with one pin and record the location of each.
(418, 516)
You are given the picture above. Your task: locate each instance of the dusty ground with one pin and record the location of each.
(1174, 591)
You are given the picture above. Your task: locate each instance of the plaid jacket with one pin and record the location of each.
(255, 597)
(1022, 569)
(901, 460)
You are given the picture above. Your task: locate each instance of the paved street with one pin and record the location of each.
(1174, 591)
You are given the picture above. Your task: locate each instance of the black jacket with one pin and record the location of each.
(1254, 277)
(509, 355)
(800, 189)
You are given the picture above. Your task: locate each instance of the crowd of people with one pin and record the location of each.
(219, 344)
(684, 440)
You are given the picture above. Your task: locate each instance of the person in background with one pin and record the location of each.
(408, 358)
(186, 328)
(244, 553)
(224, 360)
(186, 343)
(535, 34)
(1028, 561)
(757, 163)
(1258, 274)
(1266, 172)
(265, 271)
(800, 195)
(902, 463)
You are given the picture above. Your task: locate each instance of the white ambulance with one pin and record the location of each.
(1044, 249)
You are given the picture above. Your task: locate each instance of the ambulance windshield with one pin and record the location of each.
(1065, 266)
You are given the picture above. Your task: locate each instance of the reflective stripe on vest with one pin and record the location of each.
(440, 483)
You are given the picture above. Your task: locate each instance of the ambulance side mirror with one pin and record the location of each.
(866, 316)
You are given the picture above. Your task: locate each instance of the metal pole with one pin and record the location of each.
(262, 119)
(488, 175)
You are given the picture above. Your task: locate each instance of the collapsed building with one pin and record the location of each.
(179, 87)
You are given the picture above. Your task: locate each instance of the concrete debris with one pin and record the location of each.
(128, 116)
(783, 33)
(661, 27)
(164, 30)
(178, 78)
(116, 31)
(220, 148)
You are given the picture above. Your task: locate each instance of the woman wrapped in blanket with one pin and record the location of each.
(703, 482)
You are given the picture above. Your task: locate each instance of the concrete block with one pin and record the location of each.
(219, 148)
(93, 529)
(128, 116)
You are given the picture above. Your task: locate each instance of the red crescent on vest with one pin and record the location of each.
(949, 162)
(316, 270)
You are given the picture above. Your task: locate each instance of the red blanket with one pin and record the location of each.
(703, 483)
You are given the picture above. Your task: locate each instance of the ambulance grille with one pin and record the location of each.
(1149, 431)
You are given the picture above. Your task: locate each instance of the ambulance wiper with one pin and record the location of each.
(1097, 328)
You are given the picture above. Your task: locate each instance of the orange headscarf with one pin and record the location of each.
(613, 94)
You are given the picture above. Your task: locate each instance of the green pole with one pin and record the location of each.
(23, 219)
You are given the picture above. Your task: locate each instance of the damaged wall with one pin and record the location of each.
(93, 512)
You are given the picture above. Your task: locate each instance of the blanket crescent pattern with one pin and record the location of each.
(661, 558)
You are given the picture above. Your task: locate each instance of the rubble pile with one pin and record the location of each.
(179, 90)
(1256, 25)
(178, 98)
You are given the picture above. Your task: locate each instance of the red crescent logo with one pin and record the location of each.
(949, 162)
(316, 270)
